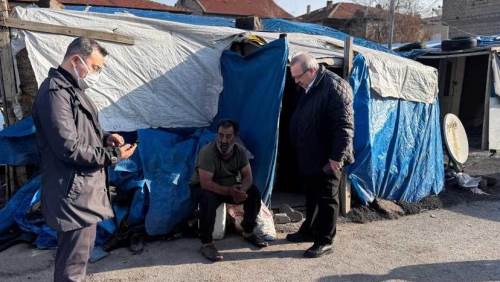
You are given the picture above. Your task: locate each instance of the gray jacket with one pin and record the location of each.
(73, 155)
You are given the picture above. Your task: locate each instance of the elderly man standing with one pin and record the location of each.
(321, 130)
(74, 154)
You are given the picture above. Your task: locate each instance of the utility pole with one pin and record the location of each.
(392, 8)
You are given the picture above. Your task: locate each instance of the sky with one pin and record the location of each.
(298, 7)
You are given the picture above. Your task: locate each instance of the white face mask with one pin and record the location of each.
(88, 81)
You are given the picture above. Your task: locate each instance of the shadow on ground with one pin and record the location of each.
(178, 252)
(482, 270)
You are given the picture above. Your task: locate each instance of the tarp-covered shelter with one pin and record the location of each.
(179, 77)
(469, 87)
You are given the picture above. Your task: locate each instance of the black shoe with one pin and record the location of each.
(299, 237)
(136, 243)
(318, 250)
(255, 240)
(211, 253)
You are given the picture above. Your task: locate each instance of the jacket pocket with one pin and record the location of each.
(75, 187)
(69, 185)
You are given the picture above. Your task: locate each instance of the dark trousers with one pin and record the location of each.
(73, 252)
(322, 207)
(209, 202)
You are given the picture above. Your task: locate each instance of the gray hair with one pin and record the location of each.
(306, 61)
(84, 46)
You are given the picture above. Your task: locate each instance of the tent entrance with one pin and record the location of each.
(286, 172)
(462, 87)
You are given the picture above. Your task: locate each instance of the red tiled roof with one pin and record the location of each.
(132, 4)
(260, 8)
(343, 11)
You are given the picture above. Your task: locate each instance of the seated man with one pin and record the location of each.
(223, 174)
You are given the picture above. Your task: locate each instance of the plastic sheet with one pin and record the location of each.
(168, 162)
(397, 143)
(17, 144)
(249, 83)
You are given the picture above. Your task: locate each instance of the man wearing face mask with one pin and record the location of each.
(223, 174)
(74, 154)
(321, 130)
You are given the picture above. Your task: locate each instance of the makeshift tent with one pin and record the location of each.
(469, 87)
(173, 76)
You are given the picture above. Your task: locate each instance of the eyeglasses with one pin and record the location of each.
(95, 69)
(299, 76)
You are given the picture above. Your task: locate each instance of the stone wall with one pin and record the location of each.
(472, 17)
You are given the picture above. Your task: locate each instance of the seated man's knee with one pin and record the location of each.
(209, 199)
(254, 191)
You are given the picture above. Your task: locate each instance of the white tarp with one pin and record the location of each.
(171, 76)
(397, 77)
(167, 79)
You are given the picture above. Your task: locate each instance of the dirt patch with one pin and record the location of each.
(452, 195)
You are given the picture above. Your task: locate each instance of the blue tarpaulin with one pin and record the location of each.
(168, 162)
(271, 25)
(253, 88)
(397, 144)
(17, 144)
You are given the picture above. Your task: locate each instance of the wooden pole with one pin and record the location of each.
(345, 184)
(70, 31)
(348, 57)
(7, 85)
(487, 96)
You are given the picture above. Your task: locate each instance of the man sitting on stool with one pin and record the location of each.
(223, 175)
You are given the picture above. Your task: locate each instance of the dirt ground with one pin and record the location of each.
(456, 244)
(458, 241)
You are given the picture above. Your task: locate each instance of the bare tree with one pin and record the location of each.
(408, 23)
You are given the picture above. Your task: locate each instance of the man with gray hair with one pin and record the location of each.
(321, 130)
(74, 153)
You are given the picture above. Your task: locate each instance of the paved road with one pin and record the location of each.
(460, 244)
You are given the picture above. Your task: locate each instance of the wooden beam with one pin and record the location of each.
(345, 184)
(7, 78)
(69, 31)
(348, 56)
(487, 96)
(345, 194)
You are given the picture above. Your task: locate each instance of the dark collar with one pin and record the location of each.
(63, 78)
(69, 77)
(319, 77)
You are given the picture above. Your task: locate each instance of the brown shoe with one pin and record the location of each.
(210, 252)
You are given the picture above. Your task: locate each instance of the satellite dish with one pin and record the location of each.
(455, 139)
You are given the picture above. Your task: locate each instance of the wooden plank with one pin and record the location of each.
(7, 78)
(430, 56)
(345, 195)
(348, 56)
(7, 86)
(69, 31)
(345, 184)
(486, 115)
(457, 83)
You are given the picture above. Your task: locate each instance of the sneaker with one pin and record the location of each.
(255, 240)
(210, 252)
(299, 237)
